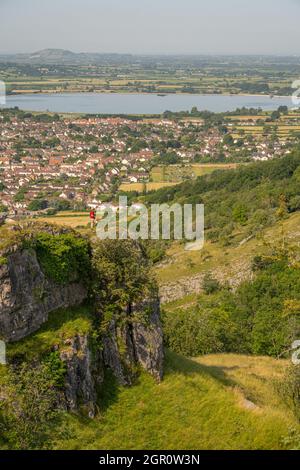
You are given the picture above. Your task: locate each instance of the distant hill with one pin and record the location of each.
(59, 56)
(52, 54)
(62, 56)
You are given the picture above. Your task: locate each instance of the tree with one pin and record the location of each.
(38, 204)
(239, 214)
(283, 109)
(20, 196)
(121, 277)
(30, 406)
(283, 207)
(209, 284)
(62, 205)
(275, 115)
(228, 140)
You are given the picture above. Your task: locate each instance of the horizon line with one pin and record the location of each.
(153, 54)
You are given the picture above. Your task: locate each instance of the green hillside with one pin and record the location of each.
(219, 401)
(240, 203)
(212, 402)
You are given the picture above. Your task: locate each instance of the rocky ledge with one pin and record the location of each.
(27, 296)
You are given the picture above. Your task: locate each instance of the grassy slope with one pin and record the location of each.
(227, 259)
(199, 405)
(211, 402)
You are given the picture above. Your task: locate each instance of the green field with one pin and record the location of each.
(71, 219)
(179, 173)
(286, 126)
(163, 75)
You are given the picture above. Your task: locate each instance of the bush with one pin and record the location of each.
(37, 205)
(30, 406)
(290, 389)
(64, 258)
(209, 327)
(210, 285)
(121, 276)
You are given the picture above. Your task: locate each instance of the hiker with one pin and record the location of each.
(93, 218)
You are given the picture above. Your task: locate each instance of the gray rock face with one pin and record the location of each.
(125, 350)
(173, 291)
(83, 374)
(138, 343)
(148, 343)
(27, 296)
(118, 353)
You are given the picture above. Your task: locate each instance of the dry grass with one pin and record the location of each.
(71, 219)
(178, 173)
(227, 260)
(139, 187)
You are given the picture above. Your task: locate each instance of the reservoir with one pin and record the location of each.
(118, 103)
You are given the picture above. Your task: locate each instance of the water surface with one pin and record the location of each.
(117, 103)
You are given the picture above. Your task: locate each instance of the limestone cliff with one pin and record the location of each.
(124, 351)
(28, 297)
(139, 342)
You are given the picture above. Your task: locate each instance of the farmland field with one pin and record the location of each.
(71, 219)
(178, 173)
(139, 74)
(139, 187)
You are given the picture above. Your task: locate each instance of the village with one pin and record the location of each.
(51, 163)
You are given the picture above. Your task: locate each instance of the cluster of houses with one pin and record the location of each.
(82, 159)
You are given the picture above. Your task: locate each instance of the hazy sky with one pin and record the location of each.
(152, 26)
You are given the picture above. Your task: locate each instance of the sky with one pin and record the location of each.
(152, 26)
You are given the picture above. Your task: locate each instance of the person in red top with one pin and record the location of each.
(92, 218)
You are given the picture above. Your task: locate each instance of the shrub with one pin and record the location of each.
(64, 258)
(290, 389)
(30, 406)
(209, 327)
(209, 284)
(121, 277)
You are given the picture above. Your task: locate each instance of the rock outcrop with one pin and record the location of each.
(125, 350)
(185, 286)
(139, 343)
(147, 338)
(84, 372)
(27, 296)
